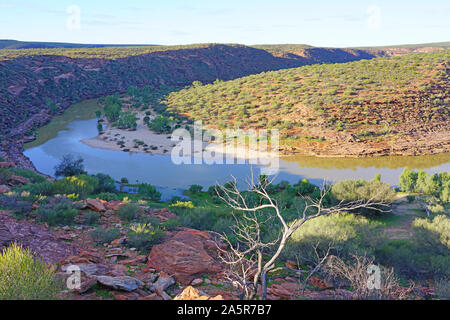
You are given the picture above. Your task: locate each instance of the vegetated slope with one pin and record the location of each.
(395, 105)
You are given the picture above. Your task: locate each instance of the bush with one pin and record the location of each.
(144, 236)
(149, 192)
(106, 184)
(91, 218)
(70, 166)
(61, 213)
(106, 196)
(195, 188)
(101, 235)
(43, 188)
(352, 190)
(81, 185)
(129, 212)
(426, 254)
(348, 234)
(5, 175)
(22, 277)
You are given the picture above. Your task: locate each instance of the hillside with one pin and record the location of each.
(15, 44)
(397, 105)
(36, 84)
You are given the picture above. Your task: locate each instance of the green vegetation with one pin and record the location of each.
(69, 167)
(144, 236)
(435, 189)
(100, 53)
(370, 98)
(23, 277)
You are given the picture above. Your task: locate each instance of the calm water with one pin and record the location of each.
(62, 136)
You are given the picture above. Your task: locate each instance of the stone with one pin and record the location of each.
(192, 294)
(95, 205)
(319, 283)
(6, 165)
(134, 261)
(196, 282)
(114, 205)
(187, 255)
(43, 243)
(123, 283)
(4, 189)
(18, 180)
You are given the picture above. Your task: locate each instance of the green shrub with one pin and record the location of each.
(144, 236)
(195, 188)
(426, 254)
(106, 196)
(101, 235)
(22, 277)
(149, 192)
(129, 212)
(82, 185)
(106, 184)
(91, 218)
(5, 175)
(61, 213)
(352, 190)
(346, 233)
(43, 188)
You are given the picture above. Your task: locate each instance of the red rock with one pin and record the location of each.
(292, 265)
(284, 290)
(4, 189)
(185, 255)
(6, 165)
(91, 256)
(114, 205)
(134, 261)
(319, 283)
(18, 180)
(95, 205)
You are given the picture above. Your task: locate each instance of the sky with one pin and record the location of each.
(330, 23)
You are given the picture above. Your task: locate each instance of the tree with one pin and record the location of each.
(70, 166)
(149, 191)
(250, 261)
(127, 120)
(112, 112)
(408, 180)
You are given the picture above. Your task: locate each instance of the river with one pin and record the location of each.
(63, 134)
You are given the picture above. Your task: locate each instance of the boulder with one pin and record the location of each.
(187, 255)
(95, 205)
(18, 180)
(114, 205)
(192, 294)
(123, 283)
(6, 165)
(4, 189)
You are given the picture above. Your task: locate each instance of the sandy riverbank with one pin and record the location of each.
(143, 140)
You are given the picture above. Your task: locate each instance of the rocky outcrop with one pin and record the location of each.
(192, 294)
(43, 243)
(187, 255)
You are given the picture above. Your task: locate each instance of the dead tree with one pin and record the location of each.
(248, 267)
